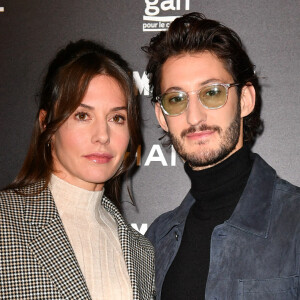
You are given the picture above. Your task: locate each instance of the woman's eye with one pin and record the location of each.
(118, 119)
(82, 116)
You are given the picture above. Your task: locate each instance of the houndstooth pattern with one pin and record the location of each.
(36, 257)
(138, 254)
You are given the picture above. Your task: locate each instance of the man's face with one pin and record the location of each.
(201, 136)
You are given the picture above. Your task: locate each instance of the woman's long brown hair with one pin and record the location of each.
(63, 89)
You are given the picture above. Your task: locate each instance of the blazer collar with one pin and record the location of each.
(138, 255)
(253, 211)
(50, 245)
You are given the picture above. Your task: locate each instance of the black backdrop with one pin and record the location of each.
(31, 32)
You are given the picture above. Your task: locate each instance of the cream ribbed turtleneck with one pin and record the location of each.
(93, 234)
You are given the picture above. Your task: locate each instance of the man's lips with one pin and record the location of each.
(199, 134)
(100, 158)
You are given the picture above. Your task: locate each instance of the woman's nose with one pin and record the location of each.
(101, 133)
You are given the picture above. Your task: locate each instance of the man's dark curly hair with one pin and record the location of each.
(193, 33)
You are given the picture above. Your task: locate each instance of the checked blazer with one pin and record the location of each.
(36, 257)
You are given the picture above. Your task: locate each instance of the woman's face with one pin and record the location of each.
(89, 147)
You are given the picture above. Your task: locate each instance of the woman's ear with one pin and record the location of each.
(247, 100)
(42, 118)
(161, 117)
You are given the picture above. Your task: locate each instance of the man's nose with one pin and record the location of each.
(196, 112)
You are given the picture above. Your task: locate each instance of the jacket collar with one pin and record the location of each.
(253, 211)
(138, 255)
(124, 241)
(176, 217)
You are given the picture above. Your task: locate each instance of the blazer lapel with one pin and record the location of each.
(49, 243)
(138, 255)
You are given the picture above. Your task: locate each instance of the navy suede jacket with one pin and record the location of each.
(255, 255)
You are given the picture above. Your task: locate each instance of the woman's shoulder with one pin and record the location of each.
(14, 198)
(10, 195)
(11, 207)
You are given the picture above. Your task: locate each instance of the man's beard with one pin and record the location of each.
(229, 139)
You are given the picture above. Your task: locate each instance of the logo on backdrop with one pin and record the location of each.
(155, 18)
(156, 154)
(142, 83)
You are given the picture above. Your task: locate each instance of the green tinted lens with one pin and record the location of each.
(213, 96)
(174, 103)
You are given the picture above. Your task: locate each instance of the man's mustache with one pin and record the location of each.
(202, 127)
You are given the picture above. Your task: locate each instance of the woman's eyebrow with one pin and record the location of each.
(86, 106)
(119, 108)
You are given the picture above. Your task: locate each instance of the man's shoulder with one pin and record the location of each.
(281, 191)
(287, 187)
(287, 195)
(285, 212)
(262, 168)
(285, 201)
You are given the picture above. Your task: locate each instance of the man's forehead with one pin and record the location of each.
(193, 69)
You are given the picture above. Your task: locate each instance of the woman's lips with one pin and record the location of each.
(99, 158)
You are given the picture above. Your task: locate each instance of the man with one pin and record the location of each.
(236, 233)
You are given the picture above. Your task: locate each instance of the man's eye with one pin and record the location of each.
(213, 92)
(81, 116)
(176, 99)
(173, 99)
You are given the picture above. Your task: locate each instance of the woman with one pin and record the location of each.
(60, 237)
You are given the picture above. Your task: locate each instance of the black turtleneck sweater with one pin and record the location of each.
(217, 191)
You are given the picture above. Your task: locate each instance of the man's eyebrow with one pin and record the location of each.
(211, 80)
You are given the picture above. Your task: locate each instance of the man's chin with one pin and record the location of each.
(208, 157)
